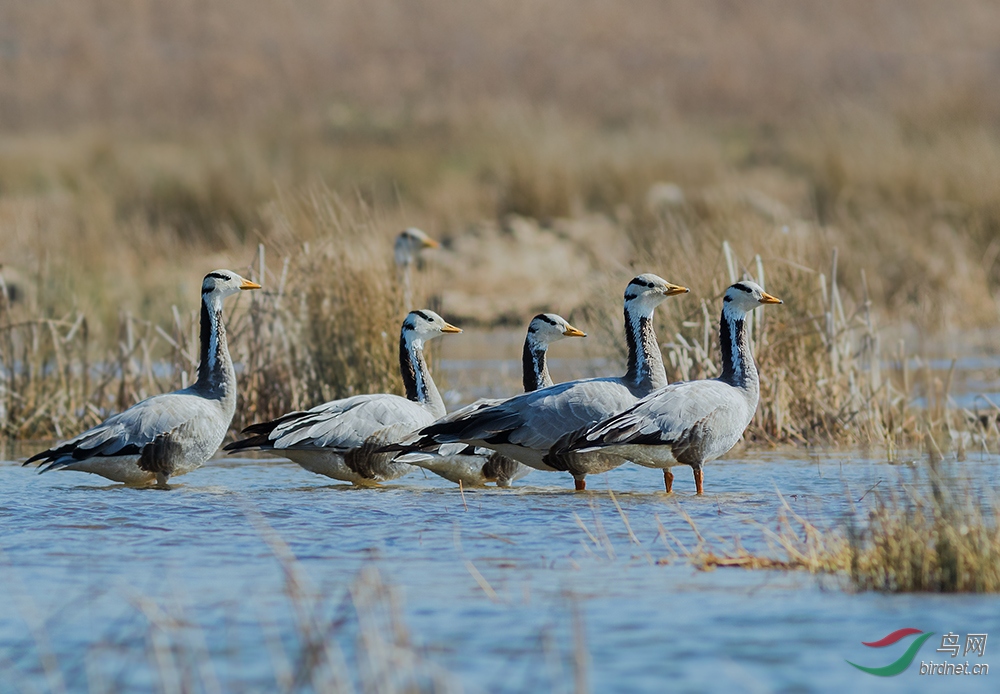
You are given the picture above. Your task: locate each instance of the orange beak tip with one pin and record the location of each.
(247, 284)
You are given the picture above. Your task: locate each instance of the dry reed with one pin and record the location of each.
(936, 534)
(867, 218)
(793, 544)
(326, 326)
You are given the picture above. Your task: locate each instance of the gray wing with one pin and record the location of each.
(537, 419)
(155, 419)
(666, 416)
(341, 425)
(416, 441)
(470, 409)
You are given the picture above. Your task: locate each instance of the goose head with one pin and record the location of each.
(744, 296)
(546, 328)
(425, 325)
(408, 245)
(219, 284)
(647, 291)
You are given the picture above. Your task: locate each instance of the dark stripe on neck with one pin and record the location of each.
(632, 342)
(534, 370)
(210, 363)
(645, 365)
(732, 343)
(408, 370)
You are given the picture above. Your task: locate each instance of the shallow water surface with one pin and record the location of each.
(535, 588)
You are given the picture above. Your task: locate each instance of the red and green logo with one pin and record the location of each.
(903, 662)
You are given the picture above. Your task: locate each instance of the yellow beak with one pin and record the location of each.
(674, 289)
(247, 284)
(431, 243)
(766, 298)
(449, 328)
(570, 331)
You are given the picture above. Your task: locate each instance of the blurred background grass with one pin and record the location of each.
(555, 147)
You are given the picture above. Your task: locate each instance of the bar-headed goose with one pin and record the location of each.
(340, 439)
(406, 251)
(526, 426)
(170, 434)
(409, 243)
(687, 423)
(472, 466)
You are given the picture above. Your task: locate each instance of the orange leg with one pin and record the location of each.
(668, 480)
(580, 484)
(699, 480)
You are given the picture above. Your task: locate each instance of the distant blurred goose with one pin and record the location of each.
(473, 466)
(408, 245)
(340, 439)
(170, 434)
(406, 251)
(686, 423)
(526, 426)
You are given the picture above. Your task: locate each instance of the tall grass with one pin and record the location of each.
(326, 326)
(867, 219)
(934, 533)
(329, 328)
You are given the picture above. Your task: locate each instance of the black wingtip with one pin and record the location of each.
(259, 441)
(399, 447)
(261, 427)
(53, 465)
(422, 444)
(38, 457)
(431, 431)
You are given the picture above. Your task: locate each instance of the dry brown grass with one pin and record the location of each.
(938, 535)
(147, 145)
(935, 534)
(329, 328)
(325, 327)
(170, 63)
(793, 544)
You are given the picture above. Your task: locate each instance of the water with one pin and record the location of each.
(132, 590)
(111, 589)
